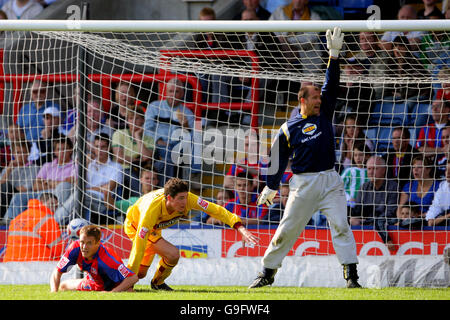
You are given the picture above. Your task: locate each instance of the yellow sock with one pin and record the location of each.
(162, 272)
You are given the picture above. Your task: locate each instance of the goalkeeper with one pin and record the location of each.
(161, 209)
(315, 185)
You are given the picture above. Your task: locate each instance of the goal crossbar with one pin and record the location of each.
(221, 25)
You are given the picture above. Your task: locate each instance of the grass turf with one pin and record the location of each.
(202, 293)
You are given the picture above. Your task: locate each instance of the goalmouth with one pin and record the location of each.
(107, 76)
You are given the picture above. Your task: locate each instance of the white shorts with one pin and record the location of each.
(309, 193)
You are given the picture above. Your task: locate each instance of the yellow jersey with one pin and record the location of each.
(148, 216)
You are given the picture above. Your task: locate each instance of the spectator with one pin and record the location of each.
(430, 10)
(131, 147)
(245, 202)
(94, 123)
(376, 203)
(407, 65)
(208, 40)
(377, 60)
(399, 157)
(356, 174)
(255, 6)
(57, 177)
(18, 176)
(434, 49)
(438, 214)
(246, 161)
(277, 209)
(352, 134)
(30, 115)
(272, 5)
(15, 134)
(164, 119)
(42, 149)
(125, 96)
(355, 97)
(269, 51)
(102, 177)
(22, 9)
(214, 87)
(429, 139)
(304, 45)
(34, 235)
(411, 217)
(3, 16)
(440, 160)
(223, 196)
(443, 93)
(70, 117)
(45, 3)
(406, 12)
(420, 191)
(149, 181)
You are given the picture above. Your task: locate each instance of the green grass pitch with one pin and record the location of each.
(203, 293)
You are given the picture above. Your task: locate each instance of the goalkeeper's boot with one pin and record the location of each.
(264, 278)
(163, 286)
(351, 275)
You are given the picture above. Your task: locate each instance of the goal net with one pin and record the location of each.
(93, 119)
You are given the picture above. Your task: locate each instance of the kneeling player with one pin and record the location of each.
(106, 271)
(161, 209)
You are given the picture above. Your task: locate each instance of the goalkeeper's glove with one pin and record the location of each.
(266, 196)
(335, 41)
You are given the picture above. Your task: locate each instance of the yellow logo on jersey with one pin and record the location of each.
(309, 129)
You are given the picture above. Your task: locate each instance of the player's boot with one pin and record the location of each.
(162, 286)
(265, 278)
(351, 275)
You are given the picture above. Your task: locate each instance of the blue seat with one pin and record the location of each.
(381, 137)
(355, 4)
(390, 113)
(420, 114)
(355, 9)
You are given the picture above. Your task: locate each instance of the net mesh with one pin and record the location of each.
(139, 108)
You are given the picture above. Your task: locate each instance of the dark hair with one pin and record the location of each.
(65, 140)
(45, 196)
(405, 132)
(92, 231)
(207, 11)
(401, 41)
(229, 193)
(103, 137)
(21, 143)
(174, 186)
(413, 207)
(245, 175)
(420, 157)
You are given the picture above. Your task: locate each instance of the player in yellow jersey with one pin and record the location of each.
(161, 209)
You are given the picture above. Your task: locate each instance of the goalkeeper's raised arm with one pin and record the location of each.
(309, 136)
(315, 185)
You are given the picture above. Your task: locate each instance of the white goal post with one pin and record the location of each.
(113, 77)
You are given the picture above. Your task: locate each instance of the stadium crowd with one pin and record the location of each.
(394, 164)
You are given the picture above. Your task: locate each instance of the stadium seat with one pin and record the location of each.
(390, 113)
(420, 114)
(355, 4)
(354, 8)
(380, 136)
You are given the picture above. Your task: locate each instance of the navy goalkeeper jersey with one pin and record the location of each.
(308, 140)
